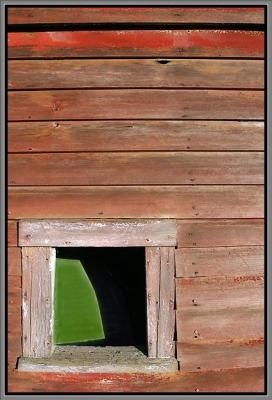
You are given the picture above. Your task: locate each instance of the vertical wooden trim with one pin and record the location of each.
(166, 324)
(160, 290)
(152, 297)
(38, 269)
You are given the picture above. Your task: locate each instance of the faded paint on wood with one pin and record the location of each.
(225, 380)
(153, 264)
(208, 201)
(135, 103)
(147, 168)
(200, 324)
(38, 264)
(166, 321)
(137, 43)
(135, 136)
(14, 261)
(12, 233)
(99, 233)
(215, 356)
(58, 74)
(220, 232)
(48, 15)
(219, 261)
(220, 293)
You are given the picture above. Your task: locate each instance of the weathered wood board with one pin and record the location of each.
(237, 380)
(97, 233)
(216, 356)
(158, 73)
(153, 259)
(166, 317)
(48, 15)
(12, 233)
(14, 261)
(201, 325)
(147, 168)
(220, 292)
(220, 232)
(219, 261)
(38, 269)
(208, 201)
(135, 103)
(137, 43)
(135, 135)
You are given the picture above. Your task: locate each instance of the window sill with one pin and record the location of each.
(98, 359)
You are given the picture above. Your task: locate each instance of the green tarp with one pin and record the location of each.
(77, 315)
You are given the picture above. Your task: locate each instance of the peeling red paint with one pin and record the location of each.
(254, 278)
(246, 43)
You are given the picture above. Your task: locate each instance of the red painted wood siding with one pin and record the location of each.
(151, 123)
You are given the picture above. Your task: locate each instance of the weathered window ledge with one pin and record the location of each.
(98, 359)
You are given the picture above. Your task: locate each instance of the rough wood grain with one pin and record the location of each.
(135, 135)
(137, 168)
(217, 356)
(220, 232)
(135, 103)
(14, 282)
(220, 293)
(99, 233)
(12, 233)
(166, 320)
(153, 261)
(200, 325)
(219, 261)
(14, 322)
(239, 380)
(124, 359)
(14, 301)
(136, 43)
(137, 202)
(37, 266)
(14, 349)
(48, 15)
(58, 74)
(14, 261)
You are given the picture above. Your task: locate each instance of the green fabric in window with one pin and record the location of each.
(77, 317)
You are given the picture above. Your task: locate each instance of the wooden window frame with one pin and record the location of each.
(39, 238)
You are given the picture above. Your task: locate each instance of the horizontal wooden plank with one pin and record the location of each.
(14, 261)
(135, 103)
(220, 293)
(137, 202)
(221, 232)
(220, 355)
(137, 168)
(237, 380)
(134, 135)
(48, 15)
(219, 261)
(98, 233)
(136, 43)
(58, 74)
(221, 325)
(12, 233)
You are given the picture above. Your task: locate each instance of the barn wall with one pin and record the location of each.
(157, 123)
